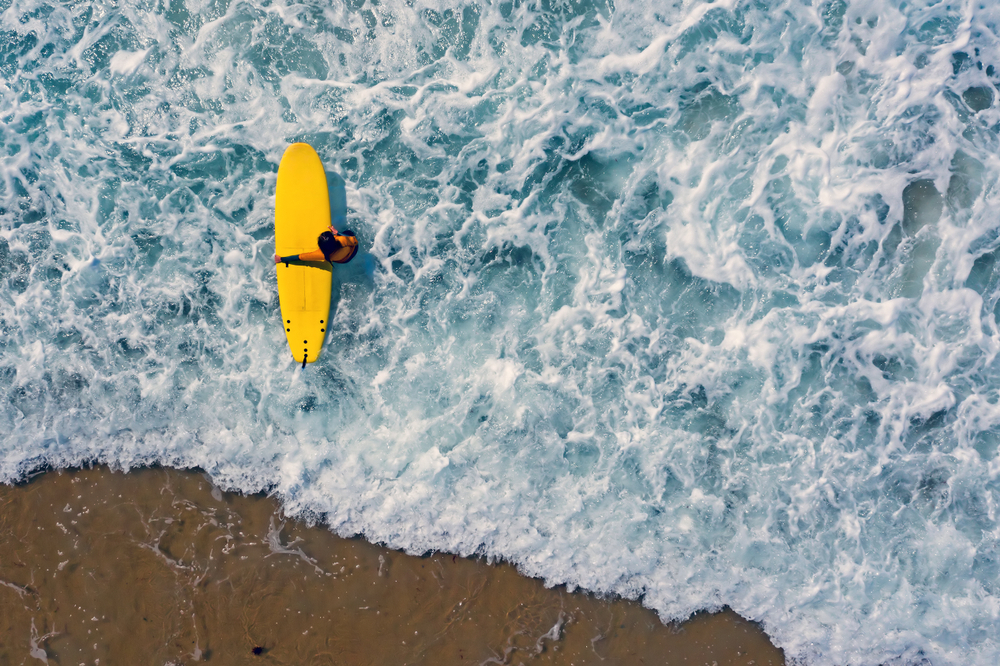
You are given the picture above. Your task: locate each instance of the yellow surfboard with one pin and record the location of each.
(302, 213)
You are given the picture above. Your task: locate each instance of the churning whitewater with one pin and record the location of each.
(695, 303)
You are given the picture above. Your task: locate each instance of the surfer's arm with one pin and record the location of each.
(312, 255)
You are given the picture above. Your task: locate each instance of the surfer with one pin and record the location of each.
(335, 247)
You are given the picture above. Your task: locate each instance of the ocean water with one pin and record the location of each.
(694, 303)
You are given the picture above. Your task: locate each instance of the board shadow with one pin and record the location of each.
(338, 199)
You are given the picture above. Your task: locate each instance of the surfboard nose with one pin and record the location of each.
(296, 148)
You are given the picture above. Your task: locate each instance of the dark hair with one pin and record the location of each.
(328, 244)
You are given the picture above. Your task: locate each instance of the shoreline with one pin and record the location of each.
(158, 565)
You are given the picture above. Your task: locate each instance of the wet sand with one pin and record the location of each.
(157, 566)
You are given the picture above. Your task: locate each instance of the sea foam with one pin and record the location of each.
(694, 303)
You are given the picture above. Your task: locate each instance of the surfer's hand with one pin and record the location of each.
(335, 232)
(277, 260)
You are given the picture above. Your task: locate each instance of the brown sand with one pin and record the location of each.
(159, 567)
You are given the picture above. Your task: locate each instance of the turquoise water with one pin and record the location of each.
(695, 303)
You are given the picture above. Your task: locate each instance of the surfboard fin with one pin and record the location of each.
(304, 357)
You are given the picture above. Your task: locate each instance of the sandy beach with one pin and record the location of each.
(158, 566)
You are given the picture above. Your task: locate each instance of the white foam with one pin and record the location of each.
(127, 62)
(644, 303)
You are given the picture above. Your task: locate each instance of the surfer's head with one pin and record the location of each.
(329, 243)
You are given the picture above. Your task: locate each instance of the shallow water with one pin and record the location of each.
(161, 567)
(696, 304)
